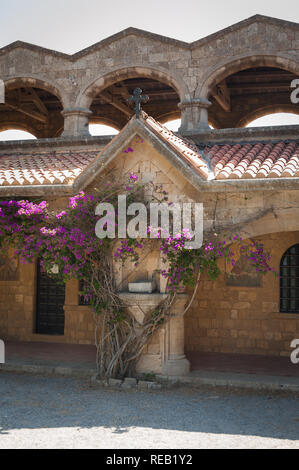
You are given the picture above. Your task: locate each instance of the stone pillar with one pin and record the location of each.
(76, 121)
(203, 115)
(194, 115)
(175, 361)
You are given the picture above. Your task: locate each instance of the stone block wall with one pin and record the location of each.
(18, 311)
(243, 319)
(16, 320)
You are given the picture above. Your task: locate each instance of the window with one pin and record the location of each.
(289, 280)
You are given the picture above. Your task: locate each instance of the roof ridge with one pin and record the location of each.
(190, 153)
(186, 140)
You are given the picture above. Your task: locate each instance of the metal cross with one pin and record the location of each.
(137, 98)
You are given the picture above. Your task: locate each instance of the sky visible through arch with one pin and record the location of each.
(70, 25)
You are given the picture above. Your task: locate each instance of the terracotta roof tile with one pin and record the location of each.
(221, 161)
(43, 168)
(185, 148)
(257, 160)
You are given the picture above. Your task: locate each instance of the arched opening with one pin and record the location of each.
(102, 129)
(33, 106)
(175, 124)
(249, 93)
(275, 119)
(15, 134)
(110, 105)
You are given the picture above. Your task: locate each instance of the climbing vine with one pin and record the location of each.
(68, 248)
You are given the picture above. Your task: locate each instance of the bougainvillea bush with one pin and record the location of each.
(67, 246)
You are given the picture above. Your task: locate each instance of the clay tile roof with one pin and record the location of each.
(43, 168)
(183, 147)
(221, 161)
(259, 160)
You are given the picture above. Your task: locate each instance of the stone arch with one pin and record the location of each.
(95, 87)
(44, 102)
(242, 63)
(164, 118)
(104, 121)
(273, 221)
(264, 111)
(35, 82)
(7, 126)
(214, 123)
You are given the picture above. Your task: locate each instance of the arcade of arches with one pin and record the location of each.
(234, 102)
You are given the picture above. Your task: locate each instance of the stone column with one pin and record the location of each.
(203, 115)
(76, 121)
(175, 361)
(194, 115)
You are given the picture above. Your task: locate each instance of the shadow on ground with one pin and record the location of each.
(37, 402)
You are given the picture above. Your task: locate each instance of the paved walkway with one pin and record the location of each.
(35, 352)
(84, 355)
(38, 357)
(256, 372)
(244, 364)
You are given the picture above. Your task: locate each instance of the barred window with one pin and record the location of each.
(82, 300)
(289, 280)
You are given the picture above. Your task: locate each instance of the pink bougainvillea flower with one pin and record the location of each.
(129, 149)
(133, 177)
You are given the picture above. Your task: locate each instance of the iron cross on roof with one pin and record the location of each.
(138, 98)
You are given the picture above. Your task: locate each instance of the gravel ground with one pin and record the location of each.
(59, 412)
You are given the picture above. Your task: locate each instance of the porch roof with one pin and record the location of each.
(43, 168)
(65, 169)
(254, 160)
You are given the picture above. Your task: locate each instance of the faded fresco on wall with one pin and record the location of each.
(243, 274)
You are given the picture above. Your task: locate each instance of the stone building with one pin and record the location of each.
(246, 178)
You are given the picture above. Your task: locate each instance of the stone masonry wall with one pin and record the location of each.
(191, 69)
(242, 319)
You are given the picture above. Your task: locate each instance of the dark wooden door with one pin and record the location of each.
(49, 308)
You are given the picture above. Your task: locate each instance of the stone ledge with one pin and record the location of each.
(244, 135)
(128, 383)
(57, 142)
(47, 370)
(232, 380)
